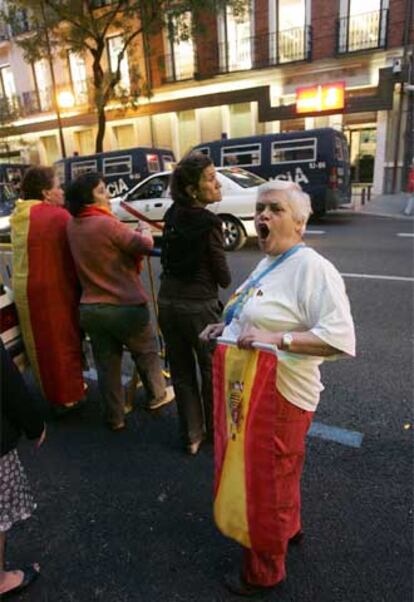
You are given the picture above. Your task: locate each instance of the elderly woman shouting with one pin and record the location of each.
(294, 299)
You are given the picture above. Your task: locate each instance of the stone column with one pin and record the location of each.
(380, 152)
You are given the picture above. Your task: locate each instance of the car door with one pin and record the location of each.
(151, 198)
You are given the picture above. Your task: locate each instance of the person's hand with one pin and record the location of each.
(212, 331)
(42, 438)
(251, 335)
(144, 229)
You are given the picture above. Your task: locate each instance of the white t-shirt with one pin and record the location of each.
(304, 293)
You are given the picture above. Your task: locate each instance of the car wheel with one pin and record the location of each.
(234, 234)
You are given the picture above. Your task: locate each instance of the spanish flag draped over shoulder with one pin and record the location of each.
(46, 293)
(244, 422)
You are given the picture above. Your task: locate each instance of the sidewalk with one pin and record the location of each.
(385, 205)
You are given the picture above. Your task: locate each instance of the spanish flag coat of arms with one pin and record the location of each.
(245, 398)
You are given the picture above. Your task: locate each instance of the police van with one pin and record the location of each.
(11, 176)
(121, 169)
(316, 159)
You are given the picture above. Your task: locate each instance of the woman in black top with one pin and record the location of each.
(16, 502)
(194, 266)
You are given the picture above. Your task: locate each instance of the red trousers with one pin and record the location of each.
(292, 424)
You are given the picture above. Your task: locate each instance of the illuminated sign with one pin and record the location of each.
(316, 99)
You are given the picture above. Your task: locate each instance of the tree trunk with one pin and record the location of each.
(100, 102)
(101, 129)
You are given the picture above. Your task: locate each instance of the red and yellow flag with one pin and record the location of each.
(46, 292)
(244, 421)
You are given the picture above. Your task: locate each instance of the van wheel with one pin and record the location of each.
(234, 234)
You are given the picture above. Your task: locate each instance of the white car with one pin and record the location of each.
(151, 198)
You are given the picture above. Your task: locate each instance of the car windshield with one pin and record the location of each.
(245, 179)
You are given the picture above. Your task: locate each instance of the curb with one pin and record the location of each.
(396, 216)
(374, 214)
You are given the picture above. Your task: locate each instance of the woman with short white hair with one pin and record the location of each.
(294, 299)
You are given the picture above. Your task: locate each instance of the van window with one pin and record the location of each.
(81, 167)
(117, 166)
(205, 150)
(13, 175)
(60, 172)
(153, 163)
(339, 149)
(244, 154)
(294, 151)
(169, 162)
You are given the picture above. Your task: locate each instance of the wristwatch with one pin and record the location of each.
(287, 340)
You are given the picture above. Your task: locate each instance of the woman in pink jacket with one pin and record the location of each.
(113, 305)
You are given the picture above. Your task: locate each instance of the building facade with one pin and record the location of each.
(235, 77)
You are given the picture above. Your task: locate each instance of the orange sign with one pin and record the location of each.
(316, 99)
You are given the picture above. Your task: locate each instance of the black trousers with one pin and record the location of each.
(181, 322)
(110, 327)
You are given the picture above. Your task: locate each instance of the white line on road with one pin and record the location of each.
(315, 231)
(406, 234)
(379, 277)
(337, 434)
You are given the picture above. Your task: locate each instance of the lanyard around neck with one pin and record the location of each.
(234, 307)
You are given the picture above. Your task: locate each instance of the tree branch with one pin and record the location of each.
(66, 16)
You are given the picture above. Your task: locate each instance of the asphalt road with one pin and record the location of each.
(127, 517)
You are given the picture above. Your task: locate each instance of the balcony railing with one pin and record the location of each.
(9, 108)
(286, 46)
(177, 68)
(236, 55)
(290, 45)
(32, 102)
(362, 32)
(4, 31)
(21, 23)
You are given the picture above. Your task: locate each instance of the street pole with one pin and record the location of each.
(409, 128)
(52, 75)
(407, 24)
(148, 73)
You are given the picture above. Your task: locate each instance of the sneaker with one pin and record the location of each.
(128, 408)
(193, 448)
(117, 427)
(169, 396)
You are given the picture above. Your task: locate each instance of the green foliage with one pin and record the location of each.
(84, 25)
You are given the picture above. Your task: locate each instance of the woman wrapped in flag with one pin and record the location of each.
(46, 288)
(294, 299)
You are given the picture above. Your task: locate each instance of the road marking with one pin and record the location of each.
(317, 429)
(406, 234)
(337, 434)
(315, 231)
(379, 277)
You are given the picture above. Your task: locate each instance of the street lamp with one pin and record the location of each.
(65, 99)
